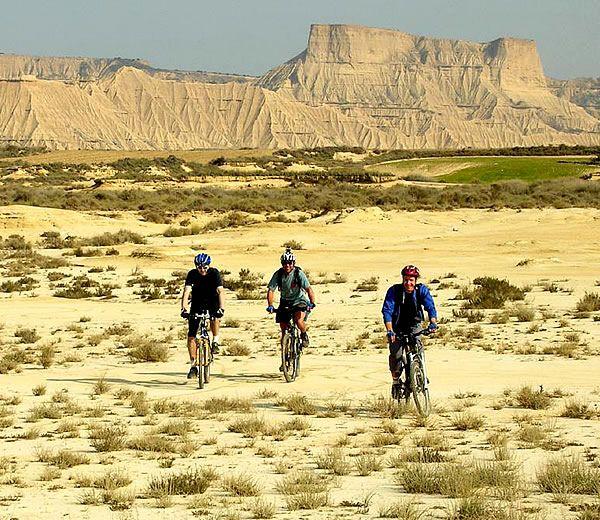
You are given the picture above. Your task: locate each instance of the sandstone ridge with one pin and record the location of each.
(352, 85)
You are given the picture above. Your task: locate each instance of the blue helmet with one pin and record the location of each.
(202, 260)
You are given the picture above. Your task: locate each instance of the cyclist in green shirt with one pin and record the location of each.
(297, 296)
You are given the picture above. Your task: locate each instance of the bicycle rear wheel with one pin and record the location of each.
(289, 360)
(418, 386)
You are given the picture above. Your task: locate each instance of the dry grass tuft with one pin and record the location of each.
(386, 407)
(467, 421)
(334, 461)
(193, 481)
(241, 485)
(228, 404)
(566, 475)
(146, 348)
(262, 508)
(298, 404)
(62, 458)
(108, 438)
(526, 397)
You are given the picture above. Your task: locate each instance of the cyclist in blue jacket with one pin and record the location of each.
(403, 313)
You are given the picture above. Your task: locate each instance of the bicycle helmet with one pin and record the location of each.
(411, 270)
(288, 257)
(202, 260)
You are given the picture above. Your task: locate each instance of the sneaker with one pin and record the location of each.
(193, 372)
(281, 368)
(304, 339)
(397, 391)
(215, 347)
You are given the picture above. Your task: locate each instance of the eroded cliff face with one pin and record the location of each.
(352, 86)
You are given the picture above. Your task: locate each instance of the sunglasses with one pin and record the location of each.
(203, 267)
(287, 263)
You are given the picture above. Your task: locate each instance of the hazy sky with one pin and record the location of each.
(251, 36)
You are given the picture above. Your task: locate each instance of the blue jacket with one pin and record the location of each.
(395, 295)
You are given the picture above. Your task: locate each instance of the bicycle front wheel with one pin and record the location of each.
(200, 361)
(208, 358)
(418, 386)
(288, 358)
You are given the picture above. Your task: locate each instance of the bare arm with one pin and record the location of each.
(311, 294)
(221, 295)
(185, 299)
(270, 297)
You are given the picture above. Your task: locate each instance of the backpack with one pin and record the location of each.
(297, 270)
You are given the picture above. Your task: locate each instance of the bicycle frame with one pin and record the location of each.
(204, 355)
(291, 349)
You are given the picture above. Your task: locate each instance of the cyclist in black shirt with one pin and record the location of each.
(203, 286)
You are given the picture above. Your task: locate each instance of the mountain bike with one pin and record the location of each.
(291, 350)
(204, 356)
(416, 381)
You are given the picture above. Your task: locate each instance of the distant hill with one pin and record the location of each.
(353, 85)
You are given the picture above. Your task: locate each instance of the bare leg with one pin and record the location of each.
(191, 345)
(215, 325)
(299, 319)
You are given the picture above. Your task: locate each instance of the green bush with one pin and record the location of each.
(490, 293)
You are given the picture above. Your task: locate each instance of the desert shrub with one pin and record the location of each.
(154, 443)
(405, 510)
(386, 407)
(467, 421)
(39, 390)
(293, 244)
(108, 438)
(241, 485)
(298, 404)
(228, 404)
(366, 464)
(526, 397)
(522, 313)
(369, 284)
(304, 490)
(247, 286)
(590, 302)
(46, 355)
(25, 283)
(565, 475)
(578, 410)
(122, 236)
(231, 220)
(119, 329)
(334, 461)
(147, 348)
(27, 335)
(237, 348)
(193, 481)
(62, 458)
(490, 293)
(472, 316)
(181, 231)
(262, 509)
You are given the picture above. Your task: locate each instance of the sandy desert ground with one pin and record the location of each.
(104, 434)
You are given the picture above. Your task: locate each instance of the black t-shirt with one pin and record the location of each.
(204, 288)
(408, 314)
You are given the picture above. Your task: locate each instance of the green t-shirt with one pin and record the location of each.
(291, 292)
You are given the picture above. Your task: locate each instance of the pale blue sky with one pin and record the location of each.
(251, 36)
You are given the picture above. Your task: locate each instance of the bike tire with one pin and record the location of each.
(207, 364)
(420, 392)
(200, 364)
(288, 358)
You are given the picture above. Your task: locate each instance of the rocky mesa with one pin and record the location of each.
(353, 85)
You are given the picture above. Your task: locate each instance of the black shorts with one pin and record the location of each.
(194, 323)
(286, 312)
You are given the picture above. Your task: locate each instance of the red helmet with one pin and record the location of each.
(411, 270)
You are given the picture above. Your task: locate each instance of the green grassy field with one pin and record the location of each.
(488, 169)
